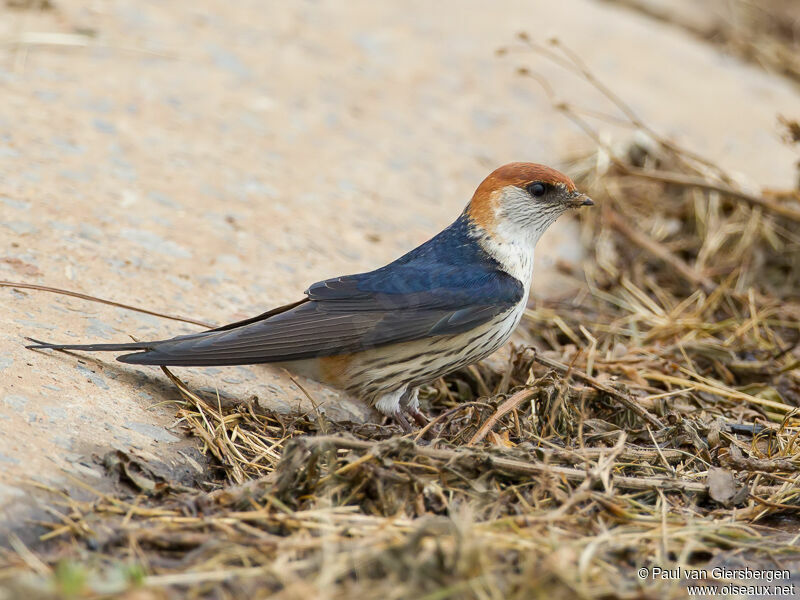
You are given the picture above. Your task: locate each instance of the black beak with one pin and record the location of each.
(577, 200)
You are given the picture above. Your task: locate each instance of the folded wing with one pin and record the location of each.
(349, 314)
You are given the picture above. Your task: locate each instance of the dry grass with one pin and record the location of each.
(655, 424)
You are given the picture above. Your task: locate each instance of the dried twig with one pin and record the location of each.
(44, 288)
(506, 407)
(725, 190)
(529, 468)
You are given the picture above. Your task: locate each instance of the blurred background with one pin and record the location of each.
(213, 159)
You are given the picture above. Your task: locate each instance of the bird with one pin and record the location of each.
(382, 334)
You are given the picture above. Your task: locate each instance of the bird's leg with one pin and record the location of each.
(401, 420)
(410, 402)
(392, 404)
(419, 418)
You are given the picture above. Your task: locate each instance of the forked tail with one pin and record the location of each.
(40, 345)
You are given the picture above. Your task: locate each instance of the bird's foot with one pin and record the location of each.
(401, 420)
(418, 417)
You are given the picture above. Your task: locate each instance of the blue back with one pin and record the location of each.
(451, 269)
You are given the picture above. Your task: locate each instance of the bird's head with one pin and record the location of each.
(521, 200)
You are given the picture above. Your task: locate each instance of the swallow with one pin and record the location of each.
(381, 335)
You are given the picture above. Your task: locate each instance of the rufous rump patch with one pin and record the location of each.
(484, 202)
(333, 369)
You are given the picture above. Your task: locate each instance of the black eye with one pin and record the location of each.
(537, 189)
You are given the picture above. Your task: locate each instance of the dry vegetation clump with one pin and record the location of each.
(654, 421)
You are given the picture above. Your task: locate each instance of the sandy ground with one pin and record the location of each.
(213, 161)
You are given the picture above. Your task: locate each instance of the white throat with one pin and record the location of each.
(514, 253)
